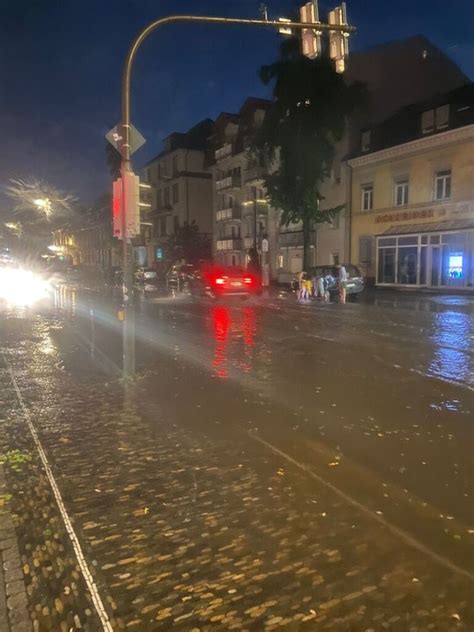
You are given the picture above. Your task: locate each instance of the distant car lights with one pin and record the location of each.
(22, 288)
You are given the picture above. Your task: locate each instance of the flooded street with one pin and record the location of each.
(275, 465)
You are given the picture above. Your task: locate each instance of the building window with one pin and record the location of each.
(335, 259)
(427, 122)
(175, 165)
(442, 188)
(158, 171)
(167, 197)
(159, 199)
(280, 261)
(442, 116)
(367, 202)
(175, 193)
(365, 140)
(175, 223)
(401, 192)
(163, 227)
(365, 250)
(435, 119)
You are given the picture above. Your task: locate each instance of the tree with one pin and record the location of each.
(113, 160)
(36, 210)
(298, 137)
(189, 244)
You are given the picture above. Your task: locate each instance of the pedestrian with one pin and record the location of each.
(342, 280)
(300, 290)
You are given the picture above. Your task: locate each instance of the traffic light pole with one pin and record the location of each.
(126, 166)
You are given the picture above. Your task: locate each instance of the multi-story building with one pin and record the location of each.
(396, 74)
(243, 217)
(412, 189)
(181, 190)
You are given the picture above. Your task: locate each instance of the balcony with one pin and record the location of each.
(262, 208)
(255, 175)
(228, 244)
(229, 182)
(223, 151)
(226, 214)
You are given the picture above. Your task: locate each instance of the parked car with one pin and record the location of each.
(216, 282)
(179, 276)
(355, 280)
(146, 275)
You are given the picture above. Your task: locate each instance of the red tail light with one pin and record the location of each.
(219, 281)
(248, 280)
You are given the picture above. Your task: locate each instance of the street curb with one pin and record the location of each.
(14, 615)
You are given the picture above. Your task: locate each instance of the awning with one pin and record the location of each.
(432, 227)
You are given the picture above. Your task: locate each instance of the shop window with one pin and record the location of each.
(423, 266)
(387, 241)
(365, 249)
(424, 239)
(367, 202)
(434, 239)
(401, 192)
(455, 266)
(407, 260)
(408, 241)
(386, 267)
(442, 189)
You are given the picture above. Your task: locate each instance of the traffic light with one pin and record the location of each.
(128, 188)
(117, 207)
(310, 38)
(338, 40)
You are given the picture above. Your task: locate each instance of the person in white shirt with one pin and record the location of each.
(342, 280)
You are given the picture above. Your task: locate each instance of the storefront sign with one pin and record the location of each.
(404, 216)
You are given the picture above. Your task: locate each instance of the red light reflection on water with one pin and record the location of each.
(221, 323)
(231, 328)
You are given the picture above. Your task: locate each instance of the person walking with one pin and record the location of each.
(342, 280)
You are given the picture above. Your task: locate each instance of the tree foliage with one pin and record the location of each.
(298, 138)
(189, 244)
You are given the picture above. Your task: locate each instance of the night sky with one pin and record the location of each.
(60, 66)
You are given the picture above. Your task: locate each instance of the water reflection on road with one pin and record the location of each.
(452, 338)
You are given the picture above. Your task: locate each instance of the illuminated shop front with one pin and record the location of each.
(426, 259)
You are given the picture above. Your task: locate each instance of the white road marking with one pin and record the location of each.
(400, 533)
(89, 580)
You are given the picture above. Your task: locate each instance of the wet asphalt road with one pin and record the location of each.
(325, 450)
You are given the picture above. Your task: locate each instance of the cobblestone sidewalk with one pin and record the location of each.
(14, 615)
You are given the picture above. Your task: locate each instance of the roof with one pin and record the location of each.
(431, 227)
(406, 124)
(195, 138)
(401, 72)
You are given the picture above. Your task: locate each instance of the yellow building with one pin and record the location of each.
(412, 192)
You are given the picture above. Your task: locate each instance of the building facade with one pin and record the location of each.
(243, 218)
(396, 74)
(412, 221)
(181, 191)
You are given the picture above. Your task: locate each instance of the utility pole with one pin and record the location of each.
(306, 24)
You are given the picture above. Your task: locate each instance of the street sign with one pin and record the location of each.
(264, 245)
(114, 136)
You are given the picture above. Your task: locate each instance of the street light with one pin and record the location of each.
(125, 148)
